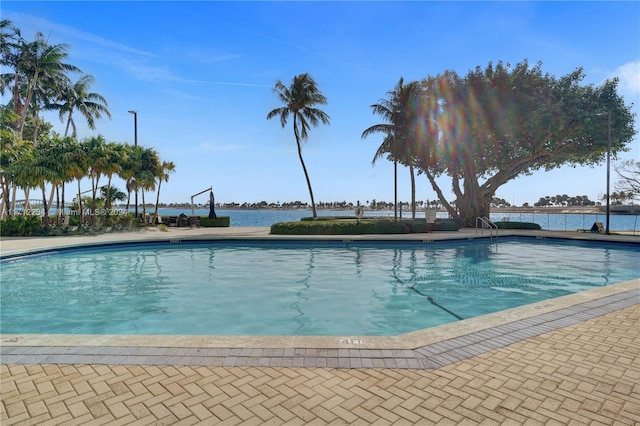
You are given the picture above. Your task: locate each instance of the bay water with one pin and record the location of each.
(547, 221)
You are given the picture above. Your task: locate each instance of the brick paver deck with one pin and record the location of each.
(587, 373)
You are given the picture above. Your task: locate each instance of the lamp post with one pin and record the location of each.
(135, 143)
(608, 114)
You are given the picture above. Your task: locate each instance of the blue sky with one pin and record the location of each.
(200, 75)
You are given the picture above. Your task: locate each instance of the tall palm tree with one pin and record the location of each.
(398, 111)
(167, 168)
(299, 100)
(40, 61)
(78, 97)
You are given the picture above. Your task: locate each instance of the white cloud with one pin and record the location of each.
(629, 75)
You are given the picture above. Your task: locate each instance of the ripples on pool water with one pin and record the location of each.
(262, 289)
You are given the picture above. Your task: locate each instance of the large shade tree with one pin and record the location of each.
(300, 100)
(501, 122)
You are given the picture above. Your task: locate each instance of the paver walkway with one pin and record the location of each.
(588, 373)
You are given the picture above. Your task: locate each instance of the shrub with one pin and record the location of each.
(22, 226)
(219, 222)
(353, 227)
(517, 225)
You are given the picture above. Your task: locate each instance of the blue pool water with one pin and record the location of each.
(295, 288)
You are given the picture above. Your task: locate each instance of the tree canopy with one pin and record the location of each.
(32, 155)
(494, 124)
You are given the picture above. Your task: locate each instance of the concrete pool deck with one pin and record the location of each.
(569, 360)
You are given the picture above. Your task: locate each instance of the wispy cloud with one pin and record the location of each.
(137, 63)
(314, 52)
(218, 147)
(29, 24)
(208, 56)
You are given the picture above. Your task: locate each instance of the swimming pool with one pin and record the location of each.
(244, 287)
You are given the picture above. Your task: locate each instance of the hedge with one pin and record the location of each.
(517, 225)
(353, 227)
(219, 222)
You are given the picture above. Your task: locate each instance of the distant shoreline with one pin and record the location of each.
(615, 209)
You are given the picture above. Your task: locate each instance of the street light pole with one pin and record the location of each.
(608, 114)
(135, 143)
(608, 165)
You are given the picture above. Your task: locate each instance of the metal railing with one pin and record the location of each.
(486, 224)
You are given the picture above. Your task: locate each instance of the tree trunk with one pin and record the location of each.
(472, 205)
(51, 193)
(304, 168)
(413, 192)
(158, 197)
(45, 207)
(79, 202)
(63, 212)
(144, 209)
(129, 189)
(12, 211)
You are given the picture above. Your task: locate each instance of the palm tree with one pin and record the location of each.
(77, 97)
(145, 178)
(299, 100)
(39, 62)
(71, 167)
(398, 112)
(16, 164)
(45, 168)
(110, 194)
(129, 165)
(97, 160)
(167, 167)
(113, 155)
(77, 168)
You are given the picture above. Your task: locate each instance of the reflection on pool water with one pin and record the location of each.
(238, 287)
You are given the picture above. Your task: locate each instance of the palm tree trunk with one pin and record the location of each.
(144, 210)
(51, 193)
(304, 168)
(158, 196)
(44, 205)
(413, 191)
(129, 189)
(79, 202)
(12, 211)
(107, 200)
(66, 130)
(63, 212)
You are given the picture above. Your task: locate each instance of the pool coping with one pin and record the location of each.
(428, 348)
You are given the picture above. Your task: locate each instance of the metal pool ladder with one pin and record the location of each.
(490, 225)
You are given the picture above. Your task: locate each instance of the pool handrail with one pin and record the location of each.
(490, 225)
